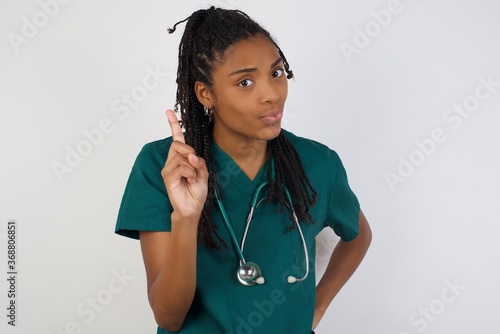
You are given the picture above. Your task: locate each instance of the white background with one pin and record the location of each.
(438, 227)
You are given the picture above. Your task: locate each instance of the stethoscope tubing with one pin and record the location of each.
(239, 249)
(229, 228)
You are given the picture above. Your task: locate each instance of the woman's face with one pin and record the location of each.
(249, 91)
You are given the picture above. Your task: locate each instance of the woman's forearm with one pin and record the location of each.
(172, 292)
(344, 261)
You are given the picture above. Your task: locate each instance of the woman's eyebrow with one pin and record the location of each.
(276, 62)
(253, 69)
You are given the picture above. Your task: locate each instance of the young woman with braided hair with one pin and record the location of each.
(211, 266)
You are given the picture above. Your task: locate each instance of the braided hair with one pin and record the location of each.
(207, 35)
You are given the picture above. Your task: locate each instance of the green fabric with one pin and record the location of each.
(222, 304)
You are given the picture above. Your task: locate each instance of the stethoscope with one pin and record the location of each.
(249, 273)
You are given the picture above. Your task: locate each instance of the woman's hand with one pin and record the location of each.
(185, 174)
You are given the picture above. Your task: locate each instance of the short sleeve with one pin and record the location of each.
(145, 205)
(343, 207)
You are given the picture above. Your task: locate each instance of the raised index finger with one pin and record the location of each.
(175, 126)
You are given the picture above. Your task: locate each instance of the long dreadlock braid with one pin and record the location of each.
(208, 34)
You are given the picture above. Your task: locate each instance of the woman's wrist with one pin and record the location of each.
(187, 220)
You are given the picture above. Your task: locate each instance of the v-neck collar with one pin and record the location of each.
(228, 172)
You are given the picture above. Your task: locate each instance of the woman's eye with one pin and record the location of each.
(278, 73)
(245, 83)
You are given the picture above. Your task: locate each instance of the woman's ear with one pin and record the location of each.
(204, 94)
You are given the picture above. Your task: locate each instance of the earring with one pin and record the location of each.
(208, 112)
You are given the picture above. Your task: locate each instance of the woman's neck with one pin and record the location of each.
(249, 154)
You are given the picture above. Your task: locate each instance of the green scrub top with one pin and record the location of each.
(221, 304)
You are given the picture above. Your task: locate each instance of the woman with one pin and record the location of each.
(189, 196)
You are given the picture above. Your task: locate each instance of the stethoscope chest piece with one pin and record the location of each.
(249, 273)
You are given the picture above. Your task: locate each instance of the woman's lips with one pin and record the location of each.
(272, 117)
